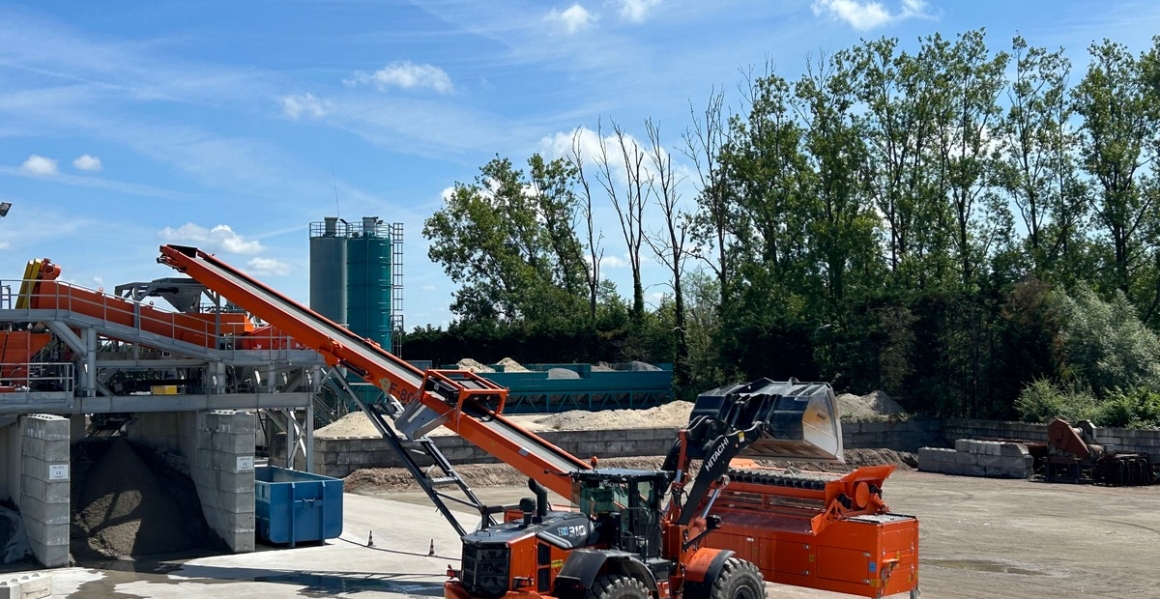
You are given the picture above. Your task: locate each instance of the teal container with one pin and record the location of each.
(296, 507)
(368, 281)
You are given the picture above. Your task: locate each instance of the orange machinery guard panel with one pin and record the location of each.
(823, 531)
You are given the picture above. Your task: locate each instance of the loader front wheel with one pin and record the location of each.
(739, 579)
(618, 586)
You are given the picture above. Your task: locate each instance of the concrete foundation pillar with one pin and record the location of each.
(44, 486)
(221, 462)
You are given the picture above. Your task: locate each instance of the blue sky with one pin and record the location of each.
(232, 125)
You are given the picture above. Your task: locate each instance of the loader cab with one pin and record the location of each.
(625, 504)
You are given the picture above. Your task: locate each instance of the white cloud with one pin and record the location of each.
(636, 10)
(428, 288)
(407, 75)
(572, 19)
(613, 262)
(100, 281)
(88, 163)
(268, 266)
(219, 238)
(295, 107)
(39, 165)
(865, 15)
(4, 245)
(593, 149)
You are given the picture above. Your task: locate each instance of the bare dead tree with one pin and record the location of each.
(595, 251)
(704, 142)
(669, 243)
(629, 206)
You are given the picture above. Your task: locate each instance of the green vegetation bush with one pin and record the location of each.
(1104, 344)
(1138, 408)
(1041, 401)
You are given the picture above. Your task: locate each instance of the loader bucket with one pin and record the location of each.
(799, 420)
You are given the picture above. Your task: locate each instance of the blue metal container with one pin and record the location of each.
(296, 507)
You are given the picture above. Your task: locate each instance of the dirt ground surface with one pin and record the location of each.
(1007, 539)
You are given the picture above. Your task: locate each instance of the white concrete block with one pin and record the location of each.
(51, 556)
(48, 492)
(46, 534)
(48, 513)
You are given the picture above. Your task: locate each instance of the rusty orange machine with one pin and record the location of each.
(634, 534)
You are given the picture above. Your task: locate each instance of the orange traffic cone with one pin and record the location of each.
(431, 550)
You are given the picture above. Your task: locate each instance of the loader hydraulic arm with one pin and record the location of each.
(456, 399)
(705, 440)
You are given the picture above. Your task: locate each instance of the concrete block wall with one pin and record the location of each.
(992, 459)
(44, 486)
(339, 457)
(908, 435)
(1113, 439)
(220, 449)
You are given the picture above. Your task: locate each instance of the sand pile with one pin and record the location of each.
(510, 365)
(354, 424)
(671, 415)
(675, 414)
(129, 506)
(874, 406)
(473, 366)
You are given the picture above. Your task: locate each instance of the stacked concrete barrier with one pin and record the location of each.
(223, 472)
(26, 585)
(44, 486)
(991, 459)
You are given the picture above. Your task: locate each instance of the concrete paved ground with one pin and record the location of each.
(980, 538)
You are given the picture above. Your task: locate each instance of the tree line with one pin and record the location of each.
(932, 222)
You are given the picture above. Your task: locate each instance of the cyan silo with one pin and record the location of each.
(328, 257)
(368, 280)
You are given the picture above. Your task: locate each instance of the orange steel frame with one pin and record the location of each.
(236, 286)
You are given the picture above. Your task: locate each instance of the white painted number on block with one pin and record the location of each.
(245, 463)
(58, 472)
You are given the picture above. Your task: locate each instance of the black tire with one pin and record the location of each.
(617, 586)
(739, 579)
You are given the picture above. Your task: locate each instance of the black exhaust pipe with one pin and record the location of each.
(541, 499)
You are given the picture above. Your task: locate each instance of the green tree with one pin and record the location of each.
(969, 82)
(764, 173)
(508, 240)
(1121, 122)
(1038, 166)
(901, 96)
(842, 226)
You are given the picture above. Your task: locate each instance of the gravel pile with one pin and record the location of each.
(510, 365)
(674, 415)
(872, 407)
(473, 366)
(128, 504)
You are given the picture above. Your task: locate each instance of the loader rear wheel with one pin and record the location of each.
(618, 586)
(739, 579)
